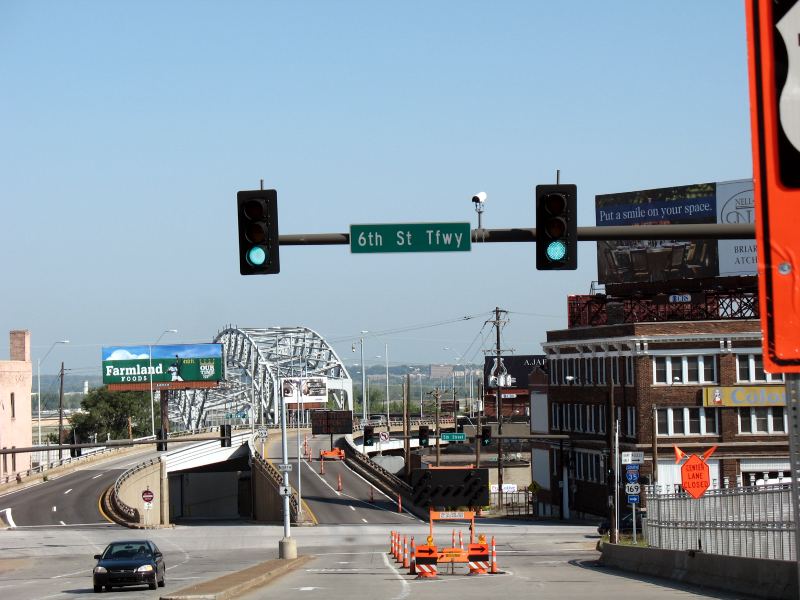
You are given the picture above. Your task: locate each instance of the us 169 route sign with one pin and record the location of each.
(410, 237)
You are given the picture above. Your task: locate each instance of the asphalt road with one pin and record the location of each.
(356, 503)
(68, 499)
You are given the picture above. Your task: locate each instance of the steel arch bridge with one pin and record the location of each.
(255, 361)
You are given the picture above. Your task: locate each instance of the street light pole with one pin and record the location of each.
(364, 399)
(386, 356)
(150, 371)
(39, 390)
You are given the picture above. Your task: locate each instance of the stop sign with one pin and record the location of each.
(148, 496)
(695, 476)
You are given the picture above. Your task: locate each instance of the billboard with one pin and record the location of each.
(517, 367)
(745, 395)
(633, 261)
(310, 390)
(170, 366)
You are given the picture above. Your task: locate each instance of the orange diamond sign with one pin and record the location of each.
(695, 476)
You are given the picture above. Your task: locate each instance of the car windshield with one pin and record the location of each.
(127, 550)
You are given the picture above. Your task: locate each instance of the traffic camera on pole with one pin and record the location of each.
(556, 227)
(258, 232)
(369, 435)
(424, 435)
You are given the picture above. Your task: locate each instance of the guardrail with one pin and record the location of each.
(119, 505)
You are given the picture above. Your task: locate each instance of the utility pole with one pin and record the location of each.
(612, 454)
(499, 406)
(436, 396)
(61, 410)
(407, 425)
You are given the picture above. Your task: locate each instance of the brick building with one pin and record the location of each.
(15, 405)
(687, 383)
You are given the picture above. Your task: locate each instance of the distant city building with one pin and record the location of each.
(16, 376)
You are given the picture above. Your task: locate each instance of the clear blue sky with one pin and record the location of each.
(127, 127)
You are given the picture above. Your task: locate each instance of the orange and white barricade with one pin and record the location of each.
(478, 558)
(427, 557)
(412, 567)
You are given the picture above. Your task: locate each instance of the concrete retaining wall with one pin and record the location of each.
(150, 477)
(757, 577)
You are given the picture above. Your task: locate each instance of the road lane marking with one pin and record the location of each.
(404, 587)
(365, 521)
(353, 508)
(68, 491)
(9, 519)
(62, 522)
(100, 475)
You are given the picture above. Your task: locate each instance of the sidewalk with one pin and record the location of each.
(240, 582)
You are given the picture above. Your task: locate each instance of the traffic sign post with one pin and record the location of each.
(147, 496)
(774, 65)
(410, 237)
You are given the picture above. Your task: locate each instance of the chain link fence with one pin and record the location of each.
(753, 521)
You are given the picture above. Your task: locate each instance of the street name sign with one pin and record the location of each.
(632, 458)
(773, 31)
(410, 237)
(453, 437)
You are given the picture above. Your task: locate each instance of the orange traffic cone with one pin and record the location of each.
(405, 552)
(494, 570)
(412, 568)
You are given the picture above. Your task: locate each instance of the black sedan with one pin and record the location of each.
(137, 562)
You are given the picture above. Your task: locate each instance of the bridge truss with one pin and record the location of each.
(255, 361)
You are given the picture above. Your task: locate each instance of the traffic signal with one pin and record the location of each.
(556, 227)
(424, 435)
(486, 435)
(369, 435)
(225, 436)
(258, 232)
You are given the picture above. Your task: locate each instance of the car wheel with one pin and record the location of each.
(152, 584)
(98, 589)
(108, 588)
(161, 583)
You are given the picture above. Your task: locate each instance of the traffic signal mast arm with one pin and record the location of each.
(714, 231)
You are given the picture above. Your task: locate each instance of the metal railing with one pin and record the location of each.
(275, 478)
(515, 504)
(752, 521)
(131, 513)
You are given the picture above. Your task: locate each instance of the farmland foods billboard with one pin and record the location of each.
(173, 366)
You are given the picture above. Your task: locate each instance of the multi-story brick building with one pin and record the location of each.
(687, 383)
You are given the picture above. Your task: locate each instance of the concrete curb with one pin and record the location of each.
(235, 584)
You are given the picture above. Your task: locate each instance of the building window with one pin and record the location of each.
(629, 370)
(630, 421)
(700, 368)
(687, 421)
(750, 367)
(762, 420)
(13, 407)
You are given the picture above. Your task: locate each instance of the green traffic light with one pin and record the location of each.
(556, 250)
(257, 256)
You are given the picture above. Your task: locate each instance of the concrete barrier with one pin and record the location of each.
(757, 577)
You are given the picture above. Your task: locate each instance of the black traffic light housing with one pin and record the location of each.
(369, 435)
(486, 435)
(424, 435)
(557, 227)
(225, 436)
(259, 246)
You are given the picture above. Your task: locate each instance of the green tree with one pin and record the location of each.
(105, 412)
